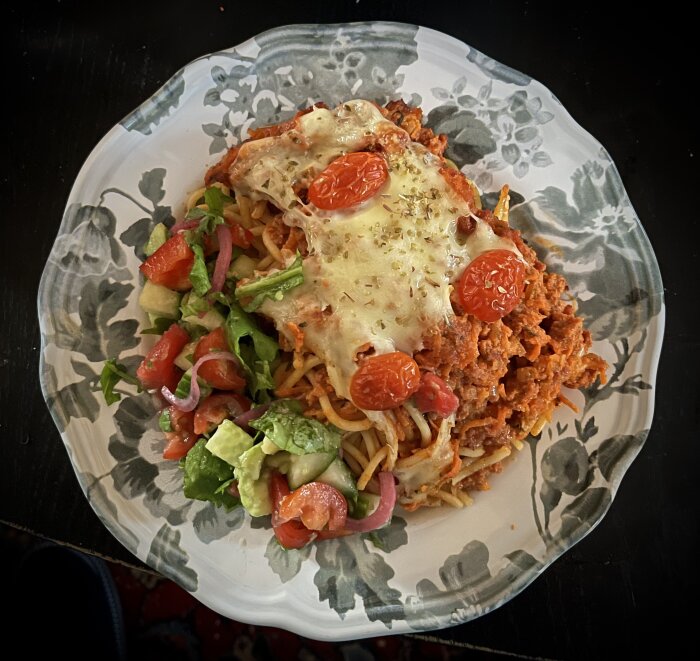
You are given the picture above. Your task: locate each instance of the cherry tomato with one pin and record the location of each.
(435, 396)
(290, 534)
(349, 180)
(216, 408)
(492, 285)
(317, 505)
(158, 368)
(170, 265)
(221, 374)
(384, 381)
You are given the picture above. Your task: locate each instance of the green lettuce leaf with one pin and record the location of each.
(254, 349)
(206, 475)
(289, 430)
(271, 286)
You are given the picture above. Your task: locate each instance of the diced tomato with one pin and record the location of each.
(158, 368)
(492, 285)
(317, 504)
(290, 534)
(178, 445)
(216, 408)
(182, 437)
(435, 396)
(240, 237)
(384, 381)
(349, 180)
(220, 374)
(171, 264)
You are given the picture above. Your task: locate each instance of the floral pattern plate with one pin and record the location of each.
(429, 569)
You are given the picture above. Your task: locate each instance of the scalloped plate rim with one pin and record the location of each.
(284, 617)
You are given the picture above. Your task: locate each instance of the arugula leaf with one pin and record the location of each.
(239, 325)
(259, 374)
(112, 374)
(289, 430)
(160, 325)
(214, 198)
(256, 355)
(199, 277)
(271, 286)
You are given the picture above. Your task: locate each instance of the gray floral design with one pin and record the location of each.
(354, 61)
(349, 569)
(170, 559)
(599, 246)
(576, 215)
(468, 585)
(506, 129)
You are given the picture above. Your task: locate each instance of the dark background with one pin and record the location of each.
(76, 68)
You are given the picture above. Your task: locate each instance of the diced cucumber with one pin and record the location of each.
(338, 475)
(279, 461)
(211, 320)
(184, 358)
(159, 301)
(305, 468)
(183, 388)
(159, 236)
(364, 506)
(241, 267)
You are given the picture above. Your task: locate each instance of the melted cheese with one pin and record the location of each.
(379, 274)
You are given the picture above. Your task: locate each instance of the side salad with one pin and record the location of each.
(211, 372)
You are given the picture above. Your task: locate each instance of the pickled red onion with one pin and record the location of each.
(184, 225)
(244, 418)
(223, 233)
(380, 516)
(190, 402)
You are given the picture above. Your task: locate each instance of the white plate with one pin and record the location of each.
(436, 568)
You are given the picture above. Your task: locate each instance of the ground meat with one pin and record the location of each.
(411, 121)
(511, 371)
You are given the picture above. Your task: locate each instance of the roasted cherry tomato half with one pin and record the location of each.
(384, 381)
(317, 505)
(290, 534)
(349, 180)
(492, 285)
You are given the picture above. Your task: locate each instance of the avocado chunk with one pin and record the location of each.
(159, 235)
(159, 301)
(254, 482)
(229, 442)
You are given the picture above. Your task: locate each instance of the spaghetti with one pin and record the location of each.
(421, 325)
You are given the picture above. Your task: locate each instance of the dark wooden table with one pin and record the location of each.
(76, 68)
